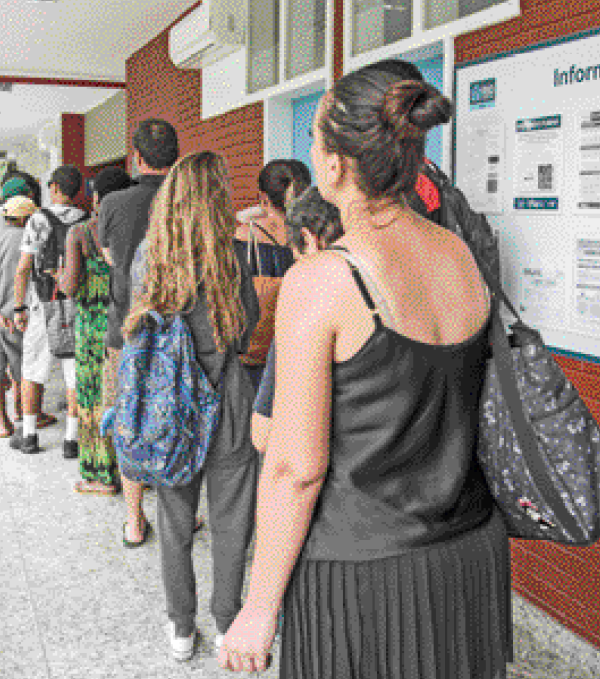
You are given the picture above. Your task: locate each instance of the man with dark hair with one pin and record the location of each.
(29, 318)
(122, 226)
(156, 142)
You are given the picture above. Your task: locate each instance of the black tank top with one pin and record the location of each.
(403, 471)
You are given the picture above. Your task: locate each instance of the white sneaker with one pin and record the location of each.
(182, 648)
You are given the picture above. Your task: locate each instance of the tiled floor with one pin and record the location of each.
(74, 604)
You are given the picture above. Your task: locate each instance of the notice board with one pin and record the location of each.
(527, 154)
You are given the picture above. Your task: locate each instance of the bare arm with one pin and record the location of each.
(297, 456)
(261, 428)
(24, 269)
(69, 279)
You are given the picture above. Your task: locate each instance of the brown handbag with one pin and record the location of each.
(267, 290)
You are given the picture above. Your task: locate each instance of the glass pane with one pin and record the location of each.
(263, 44)
(306, 37)
(440, 12)
(376, 23)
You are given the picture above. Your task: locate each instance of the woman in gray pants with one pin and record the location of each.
(188, 265)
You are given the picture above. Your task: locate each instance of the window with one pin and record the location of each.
(377, 23)
(263, 44)
(305, 37)
(439, 12)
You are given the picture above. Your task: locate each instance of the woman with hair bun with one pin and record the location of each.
(391, 560)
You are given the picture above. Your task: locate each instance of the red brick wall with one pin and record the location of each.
(73, 150)
(156, 88)
(563, 581)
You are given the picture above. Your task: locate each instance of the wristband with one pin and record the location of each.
(19, 309)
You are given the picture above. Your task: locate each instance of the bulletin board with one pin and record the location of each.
(527, 154)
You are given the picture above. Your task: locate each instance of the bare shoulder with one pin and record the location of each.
(242, 232)
(318, 281)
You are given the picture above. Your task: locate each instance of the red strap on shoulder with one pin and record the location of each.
(428, 192)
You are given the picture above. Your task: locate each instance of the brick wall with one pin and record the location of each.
(563, 581)
(156, 88)
(73, 150)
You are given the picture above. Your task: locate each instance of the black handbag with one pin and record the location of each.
(60, 326)
(539, 445)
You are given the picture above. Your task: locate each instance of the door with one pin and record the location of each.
(433, 72)
(303, 111)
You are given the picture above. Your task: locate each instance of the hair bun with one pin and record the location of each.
(411, 107)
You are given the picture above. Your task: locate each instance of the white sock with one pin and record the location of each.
(72, 429)
(29, 425)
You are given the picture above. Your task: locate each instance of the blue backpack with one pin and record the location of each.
(166, 409)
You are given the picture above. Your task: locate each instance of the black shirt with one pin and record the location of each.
(122, 226)
(403, 469)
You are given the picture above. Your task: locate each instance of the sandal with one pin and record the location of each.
(199, 525)
(132, 544)
(93, 488)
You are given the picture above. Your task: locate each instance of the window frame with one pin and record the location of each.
(421, 36)
(306, 80)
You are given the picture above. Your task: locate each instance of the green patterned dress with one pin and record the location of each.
(97, 458)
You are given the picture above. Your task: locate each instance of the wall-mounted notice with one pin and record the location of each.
(485, 164)
(587, 286)
(482, 94)
(589, 162)
(538, 163)
(542, 295)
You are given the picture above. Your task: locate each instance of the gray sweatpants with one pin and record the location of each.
(232, 508)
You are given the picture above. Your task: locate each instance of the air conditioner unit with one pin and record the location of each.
(208, 34)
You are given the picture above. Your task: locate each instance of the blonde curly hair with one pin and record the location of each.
(191, 228)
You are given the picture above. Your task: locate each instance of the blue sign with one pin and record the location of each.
(482, 93)
(536, 203)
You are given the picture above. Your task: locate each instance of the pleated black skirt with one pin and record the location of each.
(438, 612)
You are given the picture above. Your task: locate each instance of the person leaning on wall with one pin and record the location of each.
(375, 527)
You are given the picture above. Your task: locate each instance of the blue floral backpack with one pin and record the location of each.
(166, 409)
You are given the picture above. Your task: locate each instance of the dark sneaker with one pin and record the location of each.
(70, 449)
(28, 445)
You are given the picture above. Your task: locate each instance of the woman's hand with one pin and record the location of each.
(247, 644)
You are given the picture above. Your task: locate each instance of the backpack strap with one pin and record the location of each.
(91, 243)
(360, 284)
(266, 233)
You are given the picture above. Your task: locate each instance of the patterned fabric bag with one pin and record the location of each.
(166, 409)
(539, 445)
(60, 316)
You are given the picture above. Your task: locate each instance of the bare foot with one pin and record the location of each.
(135, 532)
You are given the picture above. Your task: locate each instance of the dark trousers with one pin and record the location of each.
(231, 507)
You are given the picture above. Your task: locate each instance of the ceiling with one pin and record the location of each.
(80, 40)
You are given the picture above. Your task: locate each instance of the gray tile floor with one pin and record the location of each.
(74, 604)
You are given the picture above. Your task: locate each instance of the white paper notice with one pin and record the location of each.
(539, 158)
(484, 164)
(542, 296)
(587, 286)
(589, 162)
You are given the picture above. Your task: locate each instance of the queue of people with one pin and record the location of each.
(347, 336)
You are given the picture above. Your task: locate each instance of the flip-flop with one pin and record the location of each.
(131, 544)
(45, 420)
(85, 488)
(199, 525)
